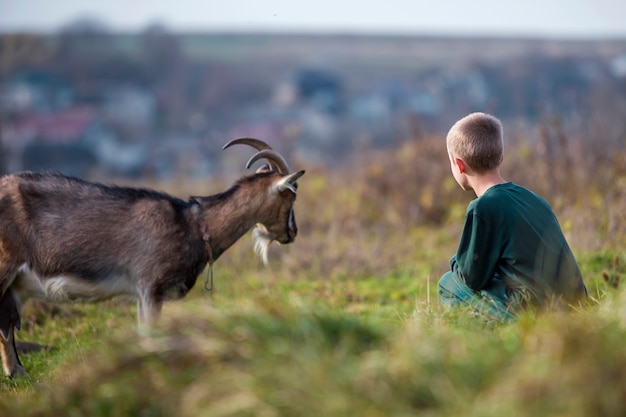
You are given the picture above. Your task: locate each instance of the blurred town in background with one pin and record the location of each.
(97, 104)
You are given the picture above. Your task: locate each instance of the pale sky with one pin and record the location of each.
(558, 18)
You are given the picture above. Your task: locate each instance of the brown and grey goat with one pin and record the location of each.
(64, 239)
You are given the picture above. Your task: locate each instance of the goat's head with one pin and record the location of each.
(277, 220)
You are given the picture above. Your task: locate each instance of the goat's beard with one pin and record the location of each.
(262, 241)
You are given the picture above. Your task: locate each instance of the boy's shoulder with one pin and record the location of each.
(508, 196)
(508, 190)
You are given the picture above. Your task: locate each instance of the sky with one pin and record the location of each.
(533, 18)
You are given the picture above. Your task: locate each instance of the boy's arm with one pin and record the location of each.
(478, 253)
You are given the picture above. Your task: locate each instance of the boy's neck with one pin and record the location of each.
(481, 183)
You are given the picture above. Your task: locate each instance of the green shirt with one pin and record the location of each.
(512, 233)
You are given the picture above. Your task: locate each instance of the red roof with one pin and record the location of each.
(65, 126)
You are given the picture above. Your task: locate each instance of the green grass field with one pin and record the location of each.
(346, 321)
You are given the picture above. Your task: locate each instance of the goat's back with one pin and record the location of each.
(59, 224)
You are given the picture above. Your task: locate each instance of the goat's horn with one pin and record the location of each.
(271, 156)
(257, 144)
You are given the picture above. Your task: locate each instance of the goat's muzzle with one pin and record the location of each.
(291, 236)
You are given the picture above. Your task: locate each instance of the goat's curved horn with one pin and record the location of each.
(257, 144)
(273, 157)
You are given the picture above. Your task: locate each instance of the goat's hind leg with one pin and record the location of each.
(9, 321)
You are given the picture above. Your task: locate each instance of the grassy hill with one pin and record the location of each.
(346, 321)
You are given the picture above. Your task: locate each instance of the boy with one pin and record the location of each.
(512, 252)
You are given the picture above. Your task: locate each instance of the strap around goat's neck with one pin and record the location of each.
(206, 237)
(208, 283)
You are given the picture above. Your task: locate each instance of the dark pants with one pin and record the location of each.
(491, 301)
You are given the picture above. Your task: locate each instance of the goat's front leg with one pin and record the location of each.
(9, 320)
(10, 360)
(148, 311)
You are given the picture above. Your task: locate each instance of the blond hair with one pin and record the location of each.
(478, 140)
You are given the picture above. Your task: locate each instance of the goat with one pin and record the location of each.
(65, 239)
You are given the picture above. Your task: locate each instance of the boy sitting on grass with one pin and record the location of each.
(512, 252)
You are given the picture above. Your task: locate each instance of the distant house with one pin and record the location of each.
(52, 141)
(35, 91)
(320, 88)
(129, 109)
(70, 159)
(370, 107)
(65, 126)
(617, 66)
(72, 141)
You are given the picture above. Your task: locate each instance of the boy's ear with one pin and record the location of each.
(460, 164)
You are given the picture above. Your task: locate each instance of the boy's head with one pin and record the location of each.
(478, 140)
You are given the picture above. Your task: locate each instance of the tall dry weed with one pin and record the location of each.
(400, 210)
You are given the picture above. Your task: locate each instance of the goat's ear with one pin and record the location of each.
(264, 168)
(288, 182)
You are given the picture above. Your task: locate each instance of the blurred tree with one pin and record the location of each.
(94, 58)
(21, 49)
(83, 36)
(163, 62)
(17, 50)
(161, 52)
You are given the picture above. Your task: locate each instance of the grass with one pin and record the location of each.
(345, 321)
(267, 347)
